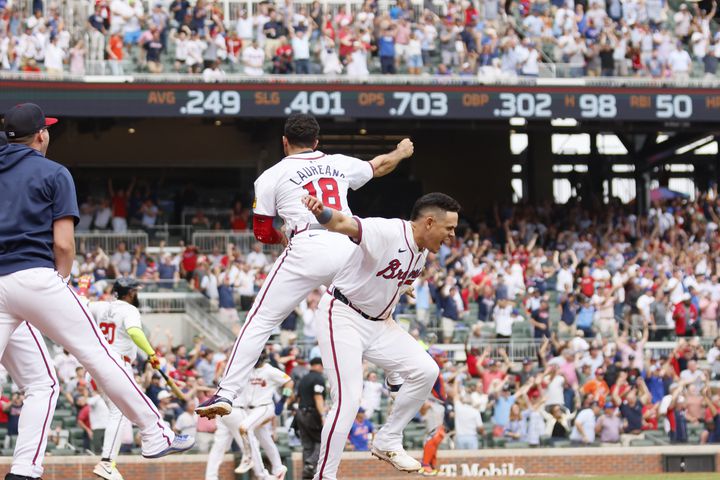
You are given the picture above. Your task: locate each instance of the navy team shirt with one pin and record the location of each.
(34, 192)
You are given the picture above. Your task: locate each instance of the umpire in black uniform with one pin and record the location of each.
(309, 418)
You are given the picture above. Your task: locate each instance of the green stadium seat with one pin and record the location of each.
(61, 412)
(642, 443)
(63, 452)
(517, 445)
(521, 330)
(562, 443)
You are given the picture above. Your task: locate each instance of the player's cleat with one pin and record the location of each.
(214, 406)
(107, 470)
(12, 476)
(428, 472)
(398, 459)
(182, 443)
(281, 474)
(246, 464)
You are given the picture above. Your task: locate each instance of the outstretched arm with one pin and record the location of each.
(332, 219)
(384, 164)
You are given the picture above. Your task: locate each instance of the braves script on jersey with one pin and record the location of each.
(279, 190)
(388, 259)
(263, 383)
(114, 318)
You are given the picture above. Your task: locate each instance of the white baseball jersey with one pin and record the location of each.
(279, 190)
(263, 383)
(114, 318)
(387, 259)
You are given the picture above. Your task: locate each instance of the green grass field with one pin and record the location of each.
(662, 476)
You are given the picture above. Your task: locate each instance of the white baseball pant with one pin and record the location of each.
(116, 425)
(346, 338)
(39, 296)
(255, 424)
(264, 437)
(228, 429)
(29, 364)
(312, 258)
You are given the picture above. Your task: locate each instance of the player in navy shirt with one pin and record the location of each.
(360, 432)
(38, 213)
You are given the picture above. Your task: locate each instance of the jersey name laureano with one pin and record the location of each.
(315, 171)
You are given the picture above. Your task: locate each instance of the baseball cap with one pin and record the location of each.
(599, 371)
(316, 361)
(527, 361)
(609, 405)
(491, 362)
(25, 119)
(164, 394)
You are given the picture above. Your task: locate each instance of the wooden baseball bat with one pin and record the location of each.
(171, 383)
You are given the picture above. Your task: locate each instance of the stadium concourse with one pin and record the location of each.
(488, 38)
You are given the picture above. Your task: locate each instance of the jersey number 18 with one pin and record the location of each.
(330, 192)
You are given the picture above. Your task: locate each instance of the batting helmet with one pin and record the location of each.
(261, 359)
(123, 286)
(438, 354)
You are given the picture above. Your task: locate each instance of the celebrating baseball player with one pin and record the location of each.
(120, 321)
(356, 322)
(37, 249)
(278, 192)
(256, 427)
(228, 429)
(28, 362)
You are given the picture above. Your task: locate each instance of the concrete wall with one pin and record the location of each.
(511, 463)
(474, 166)
(158, 324)
(174, 467)
(506, 463)
(171, 143)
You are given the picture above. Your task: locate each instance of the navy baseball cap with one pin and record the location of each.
(25, 119)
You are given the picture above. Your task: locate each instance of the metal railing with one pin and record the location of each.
(399, 80)
(207, 240)
(215, 332)
(210, 212)
(89, 241)
(166, 302)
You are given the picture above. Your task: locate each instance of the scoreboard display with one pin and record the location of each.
(365, 101)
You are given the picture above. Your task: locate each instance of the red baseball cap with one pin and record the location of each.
(25, 119)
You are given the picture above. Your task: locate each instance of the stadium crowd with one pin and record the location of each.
(582, 290)
(489, 38)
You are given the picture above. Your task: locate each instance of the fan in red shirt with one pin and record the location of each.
(685, 315)
(346, 39)
(119, 201)
(587, 284)
(239, 218)
(234, 45)
(189, 261)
